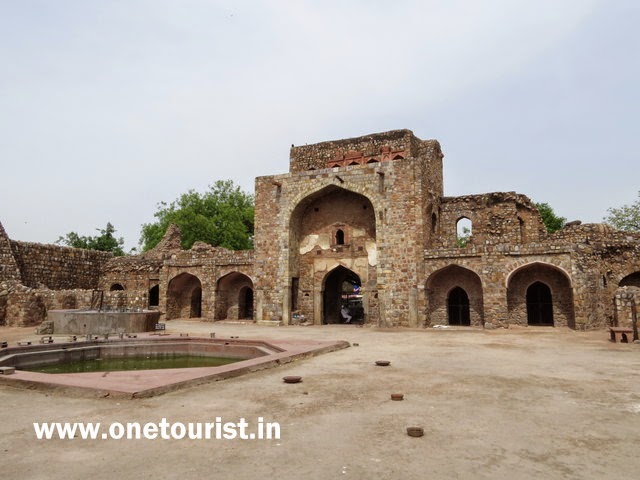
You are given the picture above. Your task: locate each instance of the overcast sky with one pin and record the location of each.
(109, 107)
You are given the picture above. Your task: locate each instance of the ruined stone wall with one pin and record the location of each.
(497, 218)
(28, 306)
(368, 149)
(58, 268)
(9, 271)
(208, 264)
(593, 257)
(627, 303)
(187, 280)
(132, 273)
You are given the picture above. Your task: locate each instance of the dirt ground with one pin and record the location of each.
(513, 404)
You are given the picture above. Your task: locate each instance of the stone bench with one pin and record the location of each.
(46, 339)
(621, 334)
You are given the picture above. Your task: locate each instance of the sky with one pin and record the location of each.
(109, 107)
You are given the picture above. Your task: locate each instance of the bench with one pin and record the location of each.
(621, 334)
(46, 339)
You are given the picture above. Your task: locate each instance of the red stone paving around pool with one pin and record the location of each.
(147, 383)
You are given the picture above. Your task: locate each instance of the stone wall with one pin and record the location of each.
(27, 306)
(627, 301)
(58, 268)
(9, 271)
(188, 281)
(368, 149)
(497, 218)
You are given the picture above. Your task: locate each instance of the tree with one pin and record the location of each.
(626, 217)
(552, 222)
(104, 242)
(221, 216)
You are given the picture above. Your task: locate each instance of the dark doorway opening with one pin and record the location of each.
(196, 303)
(539, 305)
(458, 307)
(154, 296)
(245, 303)
(342, 298)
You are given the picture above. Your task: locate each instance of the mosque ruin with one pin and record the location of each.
(360, 225)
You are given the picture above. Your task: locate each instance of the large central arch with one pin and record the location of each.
(329, 227)
(184, 297)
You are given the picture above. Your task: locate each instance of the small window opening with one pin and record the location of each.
(340, 237)
(464, 229)
(523, 230)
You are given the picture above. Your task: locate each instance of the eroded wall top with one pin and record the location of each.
(374, 148)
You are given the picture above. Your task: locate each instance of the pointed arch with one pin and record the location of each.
(631, 280)
(234, 297)
(462, 282)
(184, 297)
(341, 298)
(540, 294)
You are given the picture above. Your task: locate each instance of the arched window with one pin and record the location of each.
(116, 287)
(372, 160)
(434, 220)
(353, 163)
(464, 230)
(339, 237)
(398, 157)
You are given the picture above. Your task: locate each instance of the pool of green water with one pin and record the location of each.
(134, 363)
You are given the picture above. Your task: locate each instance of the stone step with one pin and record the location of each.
(269, 323)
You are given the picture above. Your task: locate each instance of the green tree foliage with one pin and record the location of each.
(626, 217)
(221, 216)
(551, 221)
(105, 242)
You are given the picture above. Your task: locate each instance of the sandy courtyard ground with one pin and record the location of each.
(501, 404)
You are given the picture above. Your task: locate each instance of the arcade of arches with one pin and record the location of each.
(537, 295)
(233, 297)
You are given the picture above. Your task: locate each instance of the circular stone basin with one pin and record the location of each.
(415, 431)
(292, 379)
(397, 396)
(383, 363)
